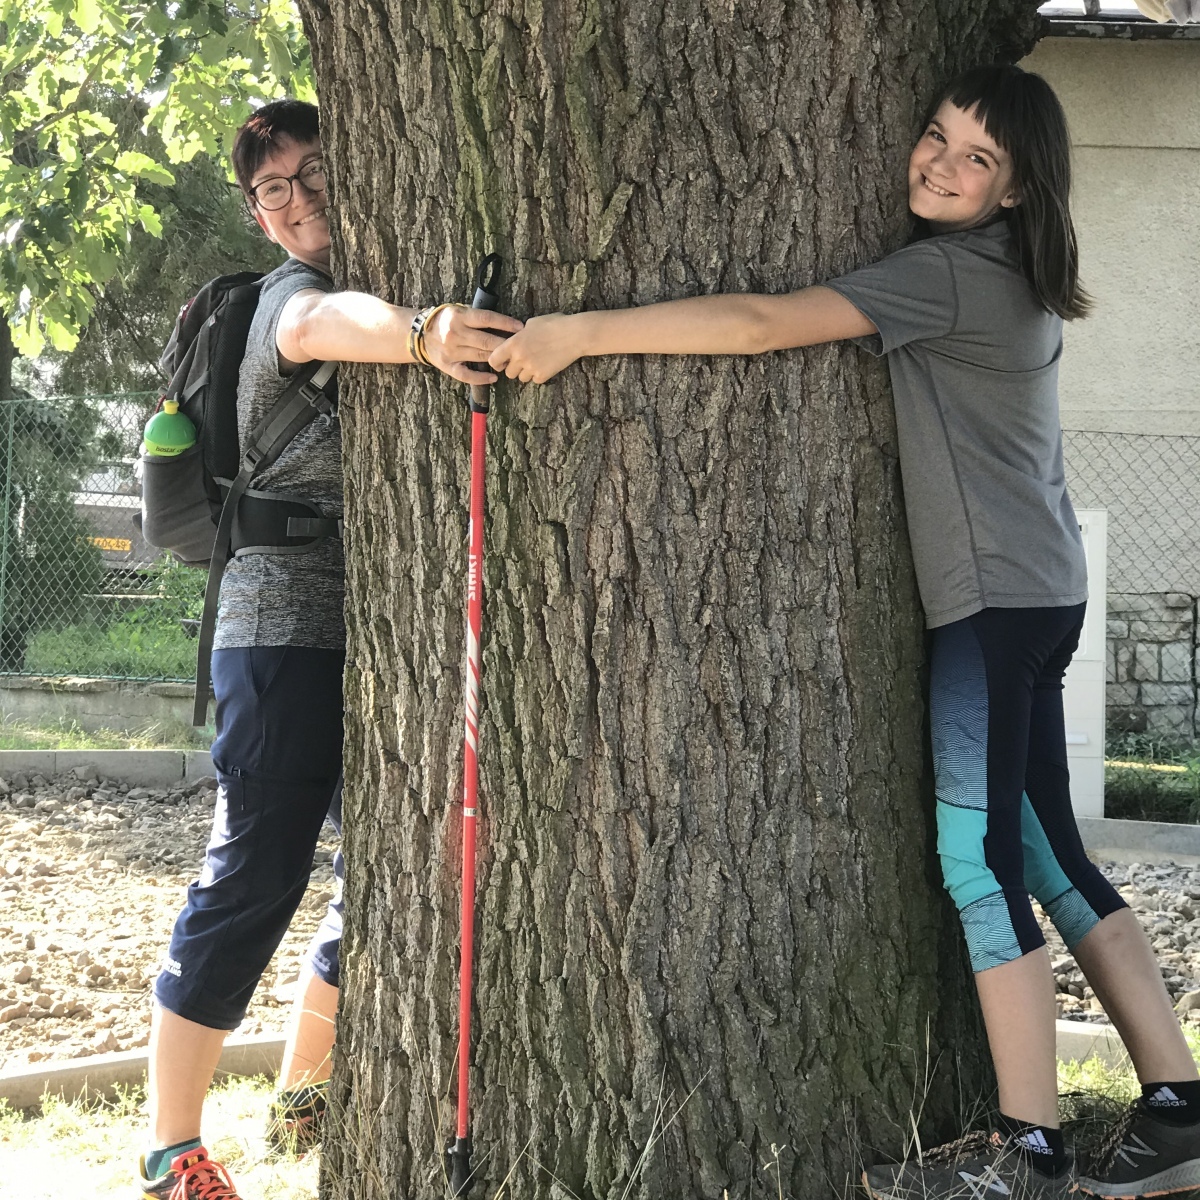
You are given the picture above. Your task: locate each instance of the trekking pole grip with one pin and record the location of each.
(486, 278)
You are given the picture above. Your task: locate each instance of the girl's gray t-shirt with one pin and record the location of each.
(974, 358)
(286, 599)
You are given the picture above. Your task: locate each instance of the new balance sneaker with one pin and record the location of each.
(191, 1176)
(1143, 1156)
(980, 1166)
(295, 1118)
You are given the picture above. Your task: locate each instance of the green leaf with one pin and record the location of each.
(62, 336)
(279, 54)
(27, 336)
(87, 15)
(141, 67)
(90, 121)
(100, 264)
(142, 166)
(150, 220)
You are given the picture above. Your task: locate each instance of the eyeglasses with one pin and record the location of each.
(276, 192)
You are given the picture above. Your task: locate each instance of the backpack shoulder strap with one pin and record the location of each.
(301, 403)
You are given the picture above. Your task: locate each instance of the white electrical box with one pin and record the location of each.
(1084, 686)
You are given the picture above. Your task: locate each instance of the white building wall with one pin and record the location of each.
(1134, 111)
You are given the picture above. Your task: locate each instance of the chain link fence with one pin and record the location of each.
(82, 594)
(80, 591)
(1150, 485)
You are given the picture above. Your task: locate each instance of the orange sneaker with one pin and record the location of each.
(192, 1176)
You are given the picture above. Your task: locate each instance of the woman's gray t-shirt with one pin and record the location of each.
(974, 358)
(286, 599)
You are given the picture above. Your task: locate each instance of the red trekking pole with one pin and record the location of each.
(458, 1150)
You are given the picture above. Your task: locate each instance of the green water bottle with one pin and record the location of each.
(169, 432)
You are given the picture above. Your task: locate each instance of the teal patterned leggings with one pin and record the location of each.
(1005, 825)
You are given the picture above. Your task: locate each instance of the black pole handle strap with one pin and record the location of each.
(301, 403)
(486, 279)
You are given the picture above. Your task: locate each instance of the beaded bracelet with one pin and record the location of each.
(416, 334)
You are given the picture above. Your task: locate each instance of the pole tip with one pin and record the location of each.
(458, 1165)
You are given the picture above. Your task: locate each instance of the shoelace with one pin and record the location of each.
(1106, 1153)
(979, 1141)
(203, 1179)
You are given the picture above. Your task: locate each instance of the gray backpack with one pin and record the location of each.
(199, 504)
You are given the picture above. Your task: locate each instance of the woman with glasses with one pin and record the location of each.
(277, 674)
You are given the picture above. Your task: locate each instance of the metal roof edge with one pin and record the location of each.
(1121, 28)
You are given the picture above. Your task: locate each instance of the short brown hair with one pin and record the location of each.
(274, 123)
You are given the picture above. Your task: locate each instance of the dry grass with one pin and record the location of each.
(66, 734)
(74, 1150)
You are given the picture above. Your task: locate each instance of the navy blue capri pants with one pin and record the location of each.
(278, 759)
(1006, 829)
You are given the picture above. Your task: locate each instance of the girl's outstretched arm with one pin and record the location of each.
(733, 324)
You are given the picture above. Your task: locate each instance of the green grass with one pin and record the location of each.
(66, 734)
(1149, 778)
(91, 1149)
(123, 650)
(1092, 1094)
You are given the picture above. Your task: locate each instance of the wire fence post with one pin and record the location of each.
(8, 490)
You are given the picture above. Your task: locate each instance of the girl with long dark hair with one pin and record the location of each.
(970, 317)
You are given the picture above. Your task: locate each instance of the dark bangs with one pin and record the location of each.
(274, 123)
(1023, 116)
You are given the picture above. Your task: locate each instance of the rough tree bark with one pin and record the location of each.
(707, 886)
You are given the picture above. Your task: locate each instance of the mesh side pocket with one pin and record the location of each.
(176, 513)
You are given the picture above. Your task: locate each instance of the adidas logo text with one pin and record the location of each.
(1035, 1142)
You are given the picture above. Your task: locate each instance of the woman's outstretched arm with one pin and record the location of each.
(358, 327)
(733, 324)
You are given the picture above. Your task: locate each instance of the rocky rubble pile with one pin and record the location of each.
(1166, 899)
(92, 876)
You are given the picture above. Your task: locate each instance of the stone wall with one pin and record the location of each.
(1153, 664)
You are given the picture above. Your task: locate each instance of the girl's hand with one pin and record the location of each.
(546, 346)
(458, 339)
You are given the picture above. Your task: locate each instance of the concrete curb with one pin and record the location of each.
(143, 768)
(1077, 1041)
(101, 1075)
(1141, 841)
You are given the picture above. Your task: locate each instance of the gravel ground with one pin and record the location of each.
(92, 876)
(93, 873)
(1166, 899)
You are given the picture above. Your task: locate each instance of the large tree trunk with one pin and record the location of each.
(710, 919)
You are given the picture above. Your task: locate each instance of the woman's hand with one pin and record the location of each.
(458, 339)
(546, 346)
